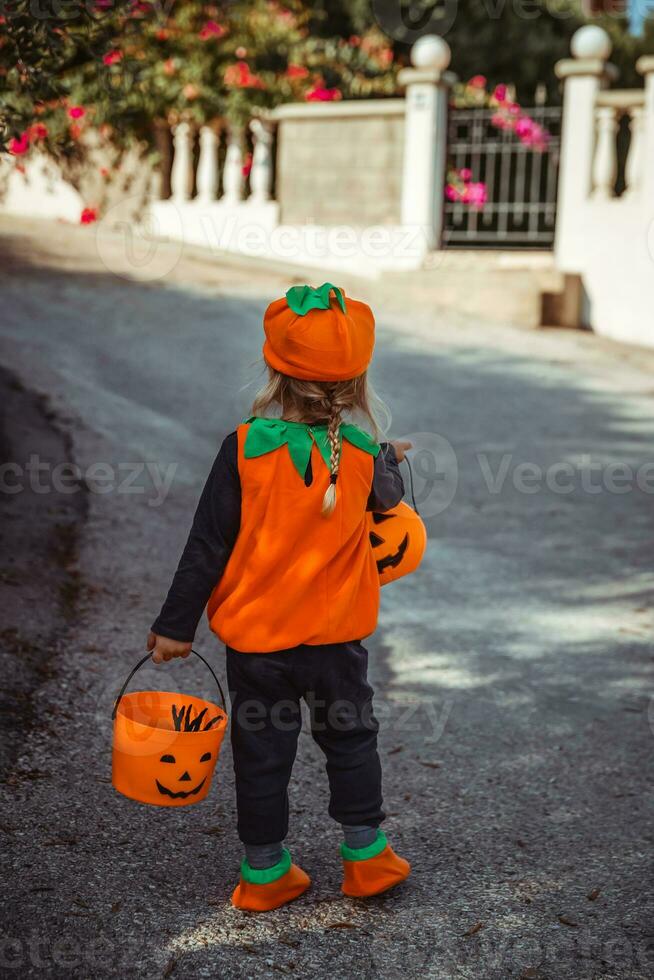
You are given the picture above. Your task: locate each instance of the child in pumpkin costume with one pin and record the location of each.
(279, 553)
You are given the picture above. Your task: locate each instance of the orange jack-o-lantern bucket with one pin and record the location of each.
(398, 538)
(166, 745)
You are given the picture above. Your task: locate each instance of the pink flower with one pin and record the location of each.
(465, 174)
(500, 93)
(76, 112)
(451, 193)
(296, 71)
(38, 131)
(19, 145)
(88, 216)
(321, 94)
(524, 127)
(475, 195)
(283, 15)
(112, 57)
(240, 76)
(478, 81)
(211, 29)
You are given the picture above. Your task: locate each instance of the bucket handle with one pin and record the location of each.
(413, 496)
(147, 657)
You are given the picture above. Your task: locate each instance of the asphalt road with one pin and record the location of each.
(513, 673)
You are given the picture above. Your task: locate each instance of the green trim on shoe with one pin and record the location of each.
(363, 853)
(264, 876)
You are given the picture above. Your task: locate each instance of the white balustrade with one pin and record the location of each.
(207, 173)
(208, 176)
(635, 167)
(181, 178)
(233, 179)
(605, 163)
(604, 240)
(261, 175)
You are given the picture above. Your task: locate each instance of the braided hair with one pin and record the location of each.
(314, 402)
(333, 436)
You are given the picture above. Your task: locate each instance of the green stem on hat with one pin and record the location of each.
(301, 299)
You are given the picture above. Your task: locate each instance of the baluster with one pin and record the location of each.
(605, 164)
(207, 175)
(261, 174)
(181, 178)
(164, 145)
(635, 166)
(233, 172)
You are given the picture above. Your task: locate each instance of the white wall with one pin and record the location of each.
(38, 192)
(607, 240)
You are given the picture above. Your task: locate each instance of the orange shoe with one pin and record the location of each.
(372, 869)
(263, 890)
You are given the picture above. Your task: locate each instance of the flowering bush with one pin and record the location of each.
(131, 62)
(507, 115)
(462, 189)
(507, 112)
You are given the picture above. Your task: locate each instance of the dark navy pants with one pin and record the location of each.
(265, 691)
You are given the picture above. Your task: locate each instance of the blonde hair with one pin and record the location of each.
(319, 401)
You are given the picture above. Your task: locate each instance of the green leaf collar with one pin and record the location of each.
(301, 299)
(266, 435)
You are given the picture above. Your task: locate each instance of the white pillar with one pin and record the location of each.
(425, 136)
(645, 66)
(583, 77)
(605, 163)
(207, 175)
(635, 167)
(181, 178)
(233, 171)
(261, 174)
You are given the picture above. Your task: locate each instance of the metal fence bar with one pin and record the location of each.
(521, 182)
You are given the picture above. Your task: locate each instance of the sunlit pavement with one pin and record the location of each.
(513, 672)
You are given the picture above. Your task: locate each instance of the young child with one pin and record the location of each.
(280, 551)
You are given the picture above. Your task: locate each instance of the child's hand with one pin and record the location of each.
(401, 448)
(165, 649)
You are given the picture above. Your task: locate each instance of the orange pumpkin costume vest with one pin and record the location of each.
(294, 576)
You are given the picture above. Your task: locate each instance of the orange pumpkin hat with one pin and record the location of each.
(314, 336)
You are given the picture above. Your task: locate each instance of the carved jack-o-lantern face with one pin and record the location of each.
(398, 538)
(184, 769)
(165, 747)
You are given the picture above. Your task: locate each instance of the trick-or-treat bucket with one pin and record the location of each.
(165, 745)
(398, 538)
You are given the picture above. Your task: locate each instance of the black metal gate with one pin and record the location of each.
(521, 182)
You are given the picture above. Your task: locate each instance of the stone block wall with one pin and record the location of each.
(341, 164)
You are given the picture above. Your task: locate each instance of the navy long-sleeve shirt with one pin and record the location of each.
(215, 528)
